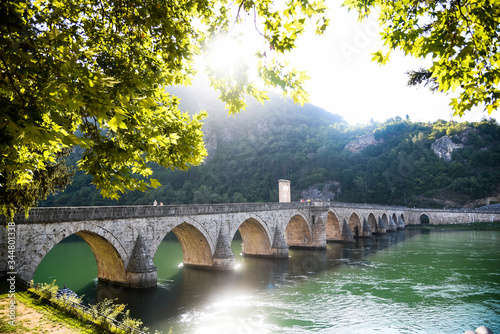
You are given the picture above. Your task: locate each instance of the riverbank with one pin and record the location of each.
(495, 226)
(36, 316)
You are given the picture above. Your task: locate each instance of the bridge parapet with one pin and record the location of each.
(96, 213)
(84, 213)
(364, 206)
(462, 210)
(369, 206)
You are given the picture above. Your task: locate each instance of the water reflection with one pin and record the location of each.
(182, 291)
(367, 285)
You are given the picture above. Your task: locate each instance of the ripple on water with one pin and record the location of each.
(166, 284)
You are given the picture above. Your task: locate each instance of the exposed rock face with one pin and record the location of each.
(323, 191)
(444, 146)
(361, 143)
(214, 137)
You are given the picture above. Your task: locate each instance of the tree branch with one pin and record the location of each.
(11, 81)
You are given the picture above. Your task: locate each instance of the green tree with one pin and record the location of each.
(47, 180)
(460, 36)
(93, 73)
(238, 198)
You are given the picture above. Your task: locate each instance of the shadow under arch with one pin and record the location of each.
(195, 248)
(333, 230)
(110, 266)
(385, 220)
(424, 219)
(372, 222)
(354, 224)
(255, 238)
(297, 232)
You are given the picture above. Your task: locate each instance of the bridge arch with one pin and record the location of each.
(385, 220)
(424, 219)
(196, 250)
(355, 226)
(395, 218)
(298, 232)
(372, 222)
(333, 228)
(109, 253)
(256, 239)
(195, 230)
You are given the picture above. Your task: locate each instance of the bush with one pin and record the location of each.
(106, 314)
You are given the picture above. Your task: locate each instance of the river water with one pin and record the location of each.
(413, 281)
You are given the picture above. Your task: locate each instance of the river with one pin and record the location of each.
(412, 281)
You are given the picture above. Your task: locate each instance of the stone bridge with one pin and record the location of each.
(124, 239)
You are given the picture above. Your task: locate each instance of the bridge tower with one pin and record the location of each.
(284, 191)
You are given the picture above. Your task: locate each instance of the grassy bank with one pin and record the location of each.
(36, 316)
(38, 310)
(481, 226)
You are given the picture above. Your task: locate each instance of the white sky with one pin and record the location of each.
(345, 81)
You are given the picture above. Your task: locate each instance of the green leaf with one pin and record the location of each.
(117, 122)
(154, 183)
(380, 58)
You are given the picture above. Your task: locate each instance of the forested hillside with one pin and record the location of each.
(395, 162)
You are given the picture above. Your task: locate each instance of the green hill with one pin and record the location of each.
(394, 162)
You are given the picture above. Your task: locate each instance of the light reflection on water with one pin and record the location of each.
(437, 282)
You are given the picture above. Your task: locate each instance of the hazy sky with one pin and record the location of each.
(345, 81)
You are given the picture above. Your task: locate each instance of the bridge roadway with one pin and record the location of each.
(124, 239)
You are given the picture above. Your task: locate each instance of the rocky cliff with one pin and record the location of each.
(322, 191)
(361, 143)
(444, 147)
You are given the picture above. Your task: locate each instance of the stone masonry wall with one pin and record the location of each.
(114, 232)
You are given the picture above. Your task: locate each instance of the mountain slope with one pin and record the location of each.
(388, 163)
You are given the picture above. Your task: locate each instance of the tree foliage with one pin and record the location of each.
(461, 37)
(93, 73)
(52, 178)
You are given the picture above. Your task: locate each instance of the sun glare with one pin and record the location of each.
(226, 55)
